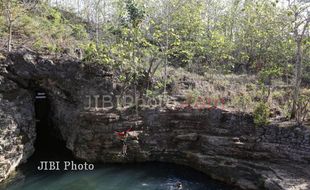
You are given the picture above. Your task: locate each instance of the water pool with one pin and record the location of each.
(149, 176)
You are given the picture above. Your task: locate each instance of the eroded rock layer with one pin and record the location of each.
(225, 145)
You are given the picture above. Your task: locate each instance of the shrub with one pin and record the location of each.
(243, 102)
(192, 96)
(79, 31)
(55, 16)
(278, 96)
(261, 114)
(303, 107)
(97, 54)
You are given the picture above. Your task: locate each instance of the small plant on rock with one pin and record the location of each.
(261, 114)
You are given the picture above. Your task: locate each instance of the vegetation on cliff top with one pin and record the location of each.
(252, 52)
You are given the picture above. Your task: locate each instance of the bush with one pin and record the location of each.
(303, 107)
(79, 31)
(243, 102)
(192, 96)
(98, 54)
(278, 96)
(261, 114)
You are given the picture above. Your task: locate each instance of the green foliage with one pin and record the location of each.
(55, 16)
(267, 74)
(192, 96)
(242, 102)
(11, 11)
(185, 35)
(136, 14)
(79, 31)
(46, 28)
(251, 36)
(261, 114)
(139, 39)
(97, 54)
(2, 28)
(219, 51)
(303, 105)
(278, 95)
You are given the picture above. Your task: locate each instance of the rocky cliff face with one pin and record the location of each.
(222, 144)
(17, 125)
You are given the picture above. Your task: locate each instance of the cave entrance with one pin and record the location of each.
(49, 144)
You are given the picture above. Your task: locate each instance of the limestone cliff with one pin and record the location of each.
(17, 125)
(225, 145)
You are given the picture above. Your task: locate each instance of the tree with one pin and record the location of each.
(12, 11)
(300, 13)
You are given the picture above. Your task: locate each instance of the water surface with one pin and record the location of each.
(149, 176)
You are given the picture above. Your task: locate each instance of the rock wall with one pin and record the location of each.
(224, 145)
(17, 126)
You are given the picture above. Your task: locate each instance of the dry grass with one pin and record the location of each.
(240, 92)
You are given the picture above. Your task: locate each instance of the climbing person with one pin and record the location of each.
(124, 149)
(124, 137)
(122, 134)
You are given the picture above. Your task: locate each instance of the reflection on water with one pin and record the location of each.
(150, 176)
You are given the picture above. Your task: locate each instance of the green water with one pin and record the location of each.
(149, 176)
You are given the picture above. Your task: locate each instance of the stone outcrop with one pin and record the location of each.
(17, 126)
(225, 145)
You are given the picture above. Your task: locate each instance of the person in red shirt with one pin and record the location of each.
(123, 137)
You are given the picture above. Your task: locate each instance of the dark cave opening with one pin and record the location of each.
(48, 145)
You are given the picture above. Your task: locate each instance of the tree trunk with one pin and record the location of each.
(166, 56)
(97, 30)
(97, 9)
(297, 78)
(10, 38)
